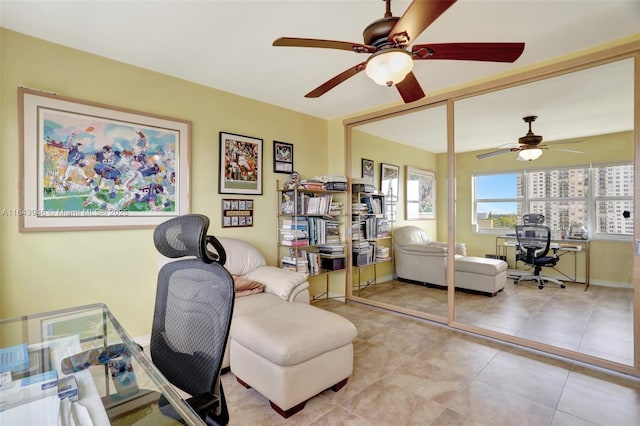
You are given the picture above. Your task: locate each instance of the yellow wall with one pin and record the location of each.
(364, 145)
(50, 270)
(611, 148)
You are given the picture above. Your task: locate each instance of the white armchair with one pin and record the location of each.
(419, 258)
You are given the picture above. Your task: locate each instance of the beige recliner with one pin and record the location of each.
(418, 258)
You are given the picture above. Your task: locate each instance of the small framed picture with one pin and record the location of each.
(368, 171)
(237, 213)
(282, 157)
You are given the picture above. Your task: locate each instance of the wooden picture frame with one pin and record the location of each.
(240, 164)
(282, 157)
(237, 213)
(368, 171)
(389, 187)
(86, 166)
(420, 193)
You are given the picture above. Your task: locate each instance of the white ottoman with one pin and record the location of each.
(481, 274)
(291, 352)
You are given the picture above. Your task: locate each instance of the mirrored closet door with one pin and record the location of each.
(581, 181)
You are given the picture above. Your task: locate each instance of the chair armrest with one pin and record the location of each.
(278, 281)
(422, 249)
(461, 248)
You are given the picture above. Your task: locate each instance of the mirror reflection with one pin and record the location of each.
(581, 182)
(578, 188)
(415, 146)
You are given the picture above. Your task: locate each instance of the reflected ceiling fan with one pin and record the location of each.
(529, 147)
(390, 62)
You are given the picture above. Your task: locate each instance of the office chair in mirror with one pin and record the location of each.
(534, 245)
(533, 219)
(194, 303)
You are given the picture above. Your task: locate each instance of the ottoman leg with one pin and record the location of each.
(242, 382)
(339, 385)
(290, 412)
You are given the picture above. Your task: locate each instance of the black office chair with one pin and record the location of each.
(534, 243)
(194, 303)
(533, 219)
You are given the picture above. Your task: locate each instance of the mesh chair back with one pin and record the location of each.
(194, 303)
(534, 241)
(533, 219)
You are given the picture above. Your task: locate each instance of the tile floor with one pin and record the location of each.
(596, 322)
(413, 372)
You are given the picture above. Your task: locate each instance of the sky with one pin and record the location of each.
(496, 186)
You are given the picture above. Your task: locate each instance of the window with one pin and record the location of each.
(613, 196)
(497, 200)
(599, 198)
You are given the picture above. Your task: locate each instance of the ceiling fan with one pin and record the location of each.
(529, 147)
(390, 62)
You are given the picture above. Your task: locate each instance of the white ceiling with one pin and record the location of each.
(227, 45)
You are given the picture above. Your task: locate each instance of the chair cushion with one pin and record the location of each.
(255, 303)
(480, 265)
(291, 333)
(278, 281)
(408, 235)
(242, 257)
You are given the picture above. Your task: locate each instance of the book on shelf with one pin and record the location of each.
(313, 185)
(374, 205)
(382, 253)
(335, 208)
(314, 263)
(295, 243)
(331, 249)
(359, 208)
(383, 228)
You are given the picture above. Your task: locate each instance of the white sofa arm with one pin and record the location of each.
(281, 282)
(461, 248)
(424, 250)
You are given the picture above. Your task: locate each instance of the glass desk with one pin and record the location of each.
(120, 386)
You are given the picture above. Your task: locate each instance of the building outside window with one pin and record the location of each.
(599, 198)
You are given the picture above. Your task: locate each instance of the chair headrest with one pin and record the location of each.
(186, 235)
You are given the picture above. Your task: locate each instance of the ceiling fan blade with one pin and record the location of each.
(491, 52)
(494, 153)
(410, 89)
(565, 150)
(330, 84)
(326, 44)
(418, 16)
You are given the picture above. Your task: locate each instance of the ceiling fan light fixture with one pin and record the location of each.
(389, 66)
(529, 154)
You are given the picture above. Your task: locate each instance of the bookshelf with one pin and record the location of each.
(371, 235)
(311, 231)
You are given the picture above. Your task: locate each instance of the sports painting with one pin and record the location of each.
(240, 164)
(91, 166)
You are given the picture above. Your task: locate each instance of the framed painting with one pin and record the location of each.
(368, 171)
(420, 194)
(282, 157)
(389, 184)
(240, 164)
(86, 166)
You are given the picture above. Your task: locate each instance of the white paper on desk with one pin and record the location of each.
(43, 411)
